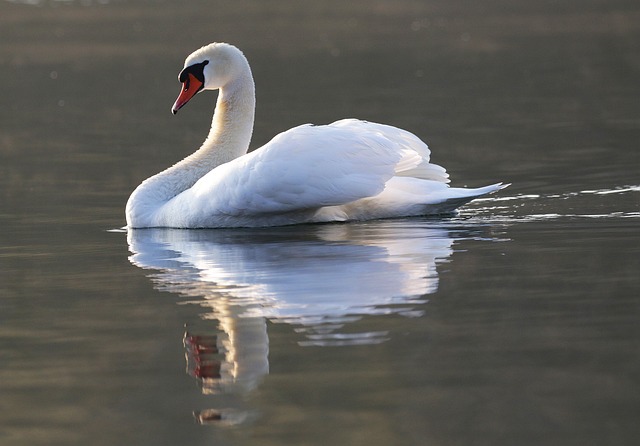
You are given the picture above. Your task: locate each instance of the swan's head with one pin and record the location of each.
(211, 67)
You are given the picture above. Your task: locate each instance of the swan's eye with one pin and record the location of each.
(196, 70)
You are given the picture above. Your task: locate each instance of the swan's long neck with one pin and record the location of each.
(229, 137)
(231, 126)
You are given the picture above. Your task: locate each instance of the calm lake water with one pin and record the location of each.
(514, 323)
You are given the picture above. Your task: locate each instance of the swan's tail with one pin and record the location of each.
(458, 196)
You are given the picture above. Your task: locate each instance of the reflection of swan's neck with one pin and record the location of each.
(247, 347)
(229, 138)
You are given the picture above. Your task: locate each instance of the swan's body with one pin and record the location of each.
(348, 170)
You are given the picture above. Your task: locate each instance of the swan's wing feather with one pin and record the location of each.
(307, 167)
(424, 169)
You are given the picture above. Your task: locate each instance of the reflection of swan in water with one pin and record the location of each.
(314, 276)
(318, 278)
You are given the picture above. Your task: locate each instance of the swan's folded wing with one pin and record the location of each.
(306, 167)
(424, 170)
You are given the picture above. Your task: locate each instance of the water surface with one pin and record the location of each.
(515, 322)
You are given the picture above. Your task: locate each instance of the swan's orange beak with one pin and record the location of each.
(190, 87)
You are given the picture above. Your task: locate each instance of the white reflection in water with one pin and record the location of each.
(321, 277)
(318, 278)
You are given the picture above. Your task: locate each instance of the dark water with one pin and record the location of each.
(514, 323)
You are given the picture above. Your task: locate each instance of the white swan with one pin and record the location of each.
(348, 170)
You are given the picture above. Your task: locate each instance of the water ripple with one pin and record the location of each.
(585, 204)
